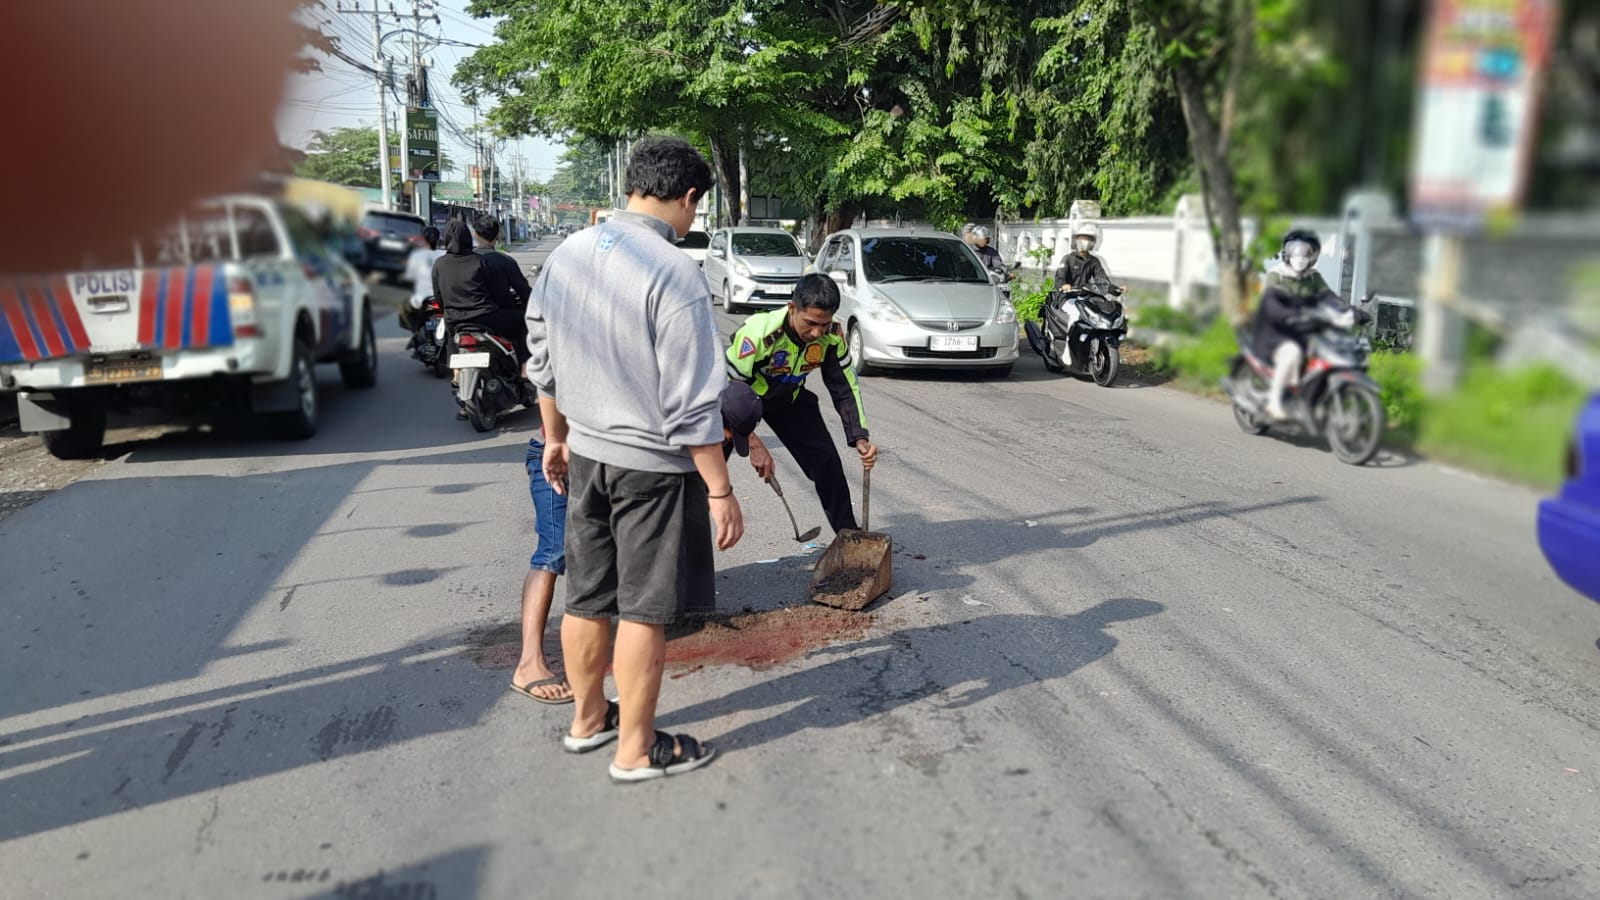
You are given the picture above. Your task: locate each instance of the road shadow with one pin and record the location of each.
(977, 658)
(457, 874)
(937, 554)
(1387, 457)
(149, 753)
(143, 566)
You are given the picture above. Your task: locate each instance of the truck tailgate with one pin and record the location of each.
(117, 311)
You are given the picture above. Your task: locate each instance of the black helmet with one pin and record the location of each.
(1304, 236)
(1300, 250)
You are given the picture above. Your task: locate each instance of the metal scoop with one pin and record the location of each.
(802, 538)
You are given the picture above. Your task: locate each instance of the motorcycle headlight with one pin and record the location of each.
(1094, 317)
(742, 268)
(880, 307)
(1008, 314)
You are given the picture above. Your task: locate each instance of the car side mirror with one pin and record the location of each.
(996, 278)
(844, 278)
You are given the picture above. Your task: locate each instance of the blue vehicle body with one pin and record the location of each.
(1569, 523)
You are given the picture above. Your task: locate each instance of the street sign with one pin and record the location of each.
(1483, 61)
(422, 144)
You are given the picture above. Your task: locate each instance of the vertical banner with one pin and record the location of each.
(1477, 112)
(422, 144)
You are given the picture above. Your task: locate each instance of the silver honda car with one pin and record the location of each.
(914, 298)
(748, 267)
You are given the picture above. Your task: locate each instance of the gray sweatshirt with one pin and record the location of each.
(621, 336)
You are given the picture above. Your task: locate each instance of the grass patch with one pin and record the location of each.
(1512, 424)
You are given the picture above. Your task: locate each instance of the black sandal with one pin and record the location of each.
(669, 755)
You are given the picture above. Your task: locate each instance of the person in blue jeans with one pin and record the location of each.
(533, 676)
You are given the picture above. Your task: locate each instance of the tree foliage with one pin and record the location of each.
(347, 156)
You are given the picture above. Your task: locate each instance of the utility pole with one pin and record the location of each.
(383, 106)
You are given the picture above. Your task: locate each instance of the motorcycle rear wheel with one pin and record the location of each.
(480, 411)
(1243, 378)
(1247, 423)
(1051, 364)
(1355, 422)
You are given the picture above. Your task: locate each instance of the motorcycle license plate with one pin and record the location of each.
(953, 343)
(469, 360)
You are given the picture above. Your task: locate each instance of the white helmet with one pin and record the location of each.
(980, 233)
(1086, 237)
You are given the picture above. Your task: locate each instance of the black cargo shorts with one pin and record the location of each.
(638, 544)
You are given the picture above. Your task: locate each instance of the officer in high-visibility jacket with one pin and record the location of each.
(770, 357)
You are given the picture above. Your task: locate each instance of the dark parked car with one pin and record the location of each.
(390, 237)
(1569, 523)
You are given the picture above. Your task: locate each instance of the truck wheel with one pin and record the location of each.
(85, 437)
(301, 422)
(360, 368)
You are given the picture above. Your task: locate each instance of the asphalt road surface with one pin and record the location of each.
(1130, 652)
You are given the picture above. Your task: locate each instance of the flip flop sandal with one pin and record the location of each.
(526, 690)
(664, 760)
(606, 734)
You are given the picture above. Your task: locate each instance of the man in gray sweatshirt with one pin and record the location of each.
(629, 368)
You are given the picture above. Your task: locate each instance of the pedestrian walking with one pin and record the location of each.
(625, 355)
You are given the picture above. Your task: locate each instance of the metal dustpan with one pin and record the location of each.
(856, 568)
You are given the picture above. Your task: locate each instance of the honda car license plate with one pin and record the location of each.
(116, 371)
(953, 343)
(469, 360)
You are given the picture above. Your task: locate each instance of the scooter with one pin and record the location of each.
(1080, 331)
(489, 379)
(1334, 397)
(427, 342)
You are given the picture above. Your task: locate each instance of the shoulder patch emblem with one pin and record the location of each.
(747, 347)
(813, 354)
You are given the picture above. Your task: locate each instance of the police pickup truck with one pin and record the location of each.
(229, 310)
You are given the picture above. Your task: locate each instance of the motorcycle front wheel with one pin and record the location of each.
(1355, 421)
(1104, 362)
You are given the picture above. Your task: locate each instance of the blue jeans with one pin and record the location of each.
(549, 516)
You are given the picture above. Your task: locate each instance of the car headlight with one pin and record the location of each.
(881, 308)
(742, 268)
(1008, 314)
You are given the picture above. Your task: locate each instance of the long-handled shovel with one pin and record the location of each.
(802, 538)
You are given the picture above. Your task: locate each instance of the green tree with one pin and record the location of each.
(347, 156)
(581, 175)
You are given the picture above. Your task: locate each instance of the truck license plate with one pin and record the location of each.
(469, 360)
(953, 343)
(117, 371)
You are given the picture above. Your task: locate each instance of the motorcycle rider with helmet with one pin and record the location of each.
(1292, 289)
(1082, 268)
(987, 254)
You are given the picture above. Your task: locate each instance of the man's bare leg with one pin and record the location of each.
(538, 592)
(585, 648)
(641, 653)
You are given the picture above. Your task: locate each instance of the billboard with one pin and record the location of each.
(422, 144)
(1483, 61)
(453, 192)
